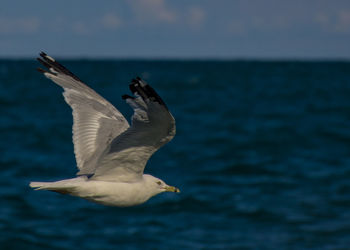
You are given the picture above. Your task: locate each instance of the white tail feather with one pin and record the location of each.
(38, 185)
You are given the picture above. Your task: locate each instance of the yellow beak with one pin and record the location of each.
(172, 189)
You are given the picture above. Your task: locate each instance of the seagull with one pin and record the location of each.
(111, 155)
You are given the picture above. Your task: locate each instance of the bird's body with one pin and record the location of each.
(109, 193)
(111, 155)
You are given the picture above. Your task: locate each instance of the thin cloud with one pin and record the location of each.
(81, 28)
(21, 25)
(196, 16)
(343, 21)
(111, 21)
(152, 11)
(335, 22)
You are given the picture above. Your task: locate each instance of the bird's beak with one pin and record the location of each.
(172, 189)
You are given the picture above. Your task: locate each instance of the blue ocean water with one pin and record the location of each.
(261, 155)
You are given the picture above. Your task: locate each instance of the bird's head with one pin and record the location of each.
(158, 185)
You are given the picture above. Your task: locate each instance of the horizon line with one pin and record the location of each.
(183, 58)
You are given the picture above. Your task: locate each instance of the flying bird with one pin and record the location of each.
(111, 154)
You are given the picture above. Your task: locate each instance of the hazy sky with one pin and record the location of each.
(176, 28)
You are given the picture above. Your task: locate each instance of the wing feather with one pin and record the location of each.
(96, 122)
(152, 127)
(105, 146)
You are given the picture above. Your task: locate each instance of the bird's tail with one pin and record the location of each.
(52, 186)
(39, 185)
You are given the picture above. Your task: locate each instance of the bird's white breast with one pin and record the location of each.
(113, 193)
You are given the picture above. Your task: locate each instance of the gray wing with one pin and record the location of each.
(152, 127)
(96, 122)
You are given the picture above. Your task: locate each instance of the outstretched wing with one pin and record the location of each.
(152, 127)
(96, 122)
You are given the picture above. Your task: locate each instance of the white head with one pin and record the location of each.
(157, 185)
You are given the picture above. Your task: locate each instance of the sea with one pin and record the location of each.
(261, 156)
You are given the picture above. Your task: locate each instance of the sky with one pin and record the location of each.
(223, 29)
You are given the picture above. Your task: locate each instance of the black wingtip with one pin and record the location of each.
(137, 80)
(50, 63)
(41, 70)
(44, 63)
(140, 87)
(124, 97)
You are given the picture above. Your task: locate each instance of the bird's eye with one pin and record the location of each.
(159, 183)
